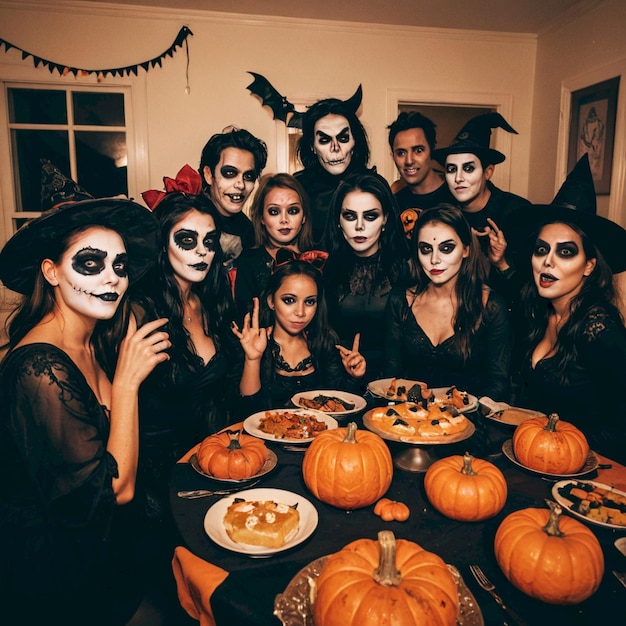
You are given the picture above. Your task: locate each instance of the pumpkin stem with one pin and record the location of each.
(234, 439)
(351, 434)
(552, 527)
(468, 470)
(553, 418)
(386, 573)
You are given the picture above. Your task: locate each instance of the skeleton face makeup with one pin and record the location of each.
(192, 244)
(333, 143)
(92, 275)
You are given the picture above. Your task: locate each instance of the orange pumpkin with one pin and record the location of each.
(550, 445)
(231, 454)
(464, 488)
(347, 468)
(552, 558)
(373, 583)
(391, 510)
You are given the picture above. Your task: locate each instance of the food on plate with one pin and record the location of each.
(328, 404)
(595, 502)
(415, 393)
(263, 523)
(411, 419)
(231, 454)
(291, 425)
(458, 399)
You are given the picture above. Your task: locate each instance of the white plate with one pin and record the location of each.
(505, 414)
(358, 401)
(379, 388)
(214, 520)
(568, 503)
(591, 463)
(270, 463)
(251, 424)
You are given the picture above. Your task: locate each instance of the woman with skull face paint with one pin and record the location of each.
(368, 256)
(69, 425)
(333, 145)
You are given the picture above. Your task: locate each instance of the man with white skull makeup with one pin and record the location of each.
(69, 421)
(333, 145)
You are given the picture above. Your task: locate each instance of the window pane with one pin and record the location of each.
(101, 160)
(98, 109)
(29, 146)
(37, 106)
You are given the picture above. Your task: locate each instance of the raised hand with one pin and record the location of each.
(497, 244)
(252, 338)
(353, 361)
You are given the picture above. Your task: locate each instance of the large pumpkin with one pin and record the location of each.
(347, 468)
(464, 488)
(552, 558)
(231, 454)
(384, 582)
(550, 445)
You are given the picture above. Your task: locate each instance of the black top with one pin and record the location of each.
(406, 199)
(237, 235)
(410, 354)
(254, 267)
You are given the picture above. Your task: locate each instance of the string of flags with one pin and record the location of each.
(64, 70)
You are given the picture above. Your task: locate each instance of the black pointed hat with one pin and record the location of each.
(67, 206)
(474, 138)
(575, 204)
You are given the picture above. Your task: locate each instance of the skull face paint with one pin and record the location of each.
(92, 274)
(333, 143)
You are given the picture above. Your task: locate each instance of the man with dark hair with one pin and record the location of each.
(230, 165)
(412, 138)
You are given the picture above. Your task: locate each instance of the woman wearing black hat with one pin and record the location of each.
(575, 353)
(69, 425)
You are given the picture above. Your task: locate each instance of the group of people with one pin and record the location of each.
(143, 331)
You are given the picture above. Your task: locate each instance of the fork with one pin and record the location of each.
(488, 586)
(203, 493)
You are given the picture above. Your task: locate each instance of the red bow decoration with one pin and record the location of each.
(317, 258)
(187, 181)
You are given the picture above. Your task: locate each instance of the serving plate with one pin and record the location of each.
(505, 414)
(591, 463)
(251, 424)
(270, 463)
(568, 502)
(351, 398)
(214, 520)
(293, 607)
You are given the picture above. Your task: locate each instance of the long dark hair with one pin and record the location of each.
(471, 280)
(158, 292)
(597, 296)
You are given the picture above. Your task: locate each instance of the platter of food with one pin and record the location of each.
(261, 522)
(289, 426)
(592, 502)
(293, 607)
(268, 466)
(335, 403)
(505, 414)
(408, 422)
(591, 463)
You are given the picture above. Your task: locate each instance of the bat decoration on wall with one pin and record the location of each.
(282, 109)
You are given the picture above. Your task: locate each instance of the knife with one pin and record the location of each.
(621, 576)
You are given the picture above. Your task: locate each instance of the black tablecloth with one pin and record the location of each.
(247, 595)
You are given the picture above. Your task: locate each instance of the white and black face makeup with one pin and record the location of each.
(333, 143)
(192, 245)
(440, 252)
(92, 275)
(362, 222)
(467, 179)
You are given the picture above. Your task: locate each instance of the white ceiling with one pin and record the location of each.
(515, 16)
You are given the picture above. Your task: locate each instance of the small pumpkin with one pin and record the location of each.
(549, 557)
(231, 454)
(387, 581)
(391, 510)
(550, 445)
(465, 488)
(347, 468)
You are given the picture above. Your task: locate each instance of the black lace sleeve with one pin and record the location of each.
(395, 315)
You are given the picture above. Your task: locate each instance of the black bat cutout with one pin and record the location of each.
(281, 107)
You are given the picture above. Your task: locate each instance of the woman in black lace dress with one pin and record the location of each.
(69, 425)
(367, 257)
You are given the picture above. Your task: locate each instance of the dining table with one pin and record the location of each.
(248, 592)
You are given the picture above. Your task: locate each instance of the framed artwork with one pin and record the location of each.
(592, 130)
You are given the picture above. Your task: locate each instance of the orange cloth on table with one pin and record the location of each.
(196, 580)
(185, 458)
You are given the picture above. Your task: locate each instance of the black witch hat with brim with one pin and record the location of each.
(67, 207)
(474, 138)
(574, 204)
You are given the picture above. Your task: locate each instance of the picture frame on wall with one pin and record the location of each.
(592, 130)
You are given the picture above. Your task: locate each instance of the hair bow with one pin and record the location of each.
(317, 258)
(187, 181)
